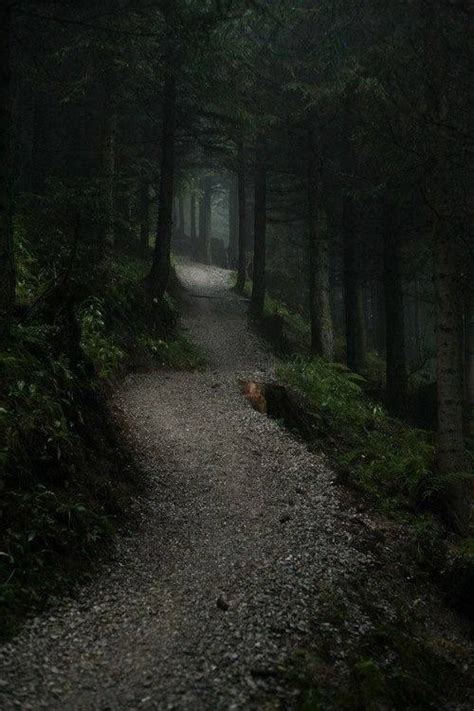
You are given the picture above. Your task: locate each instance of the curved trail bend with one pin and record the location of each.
(240, 515)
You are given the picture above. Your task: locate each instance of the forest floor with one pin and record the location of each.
(251, 576)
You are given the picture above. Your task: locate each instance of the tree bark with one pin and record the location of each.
(193, 221)
(181, 218)
(175, 216)
(40, 143)
(144, 217)
(396, 367)
(378, 311)
(257, 303)
(7, 262)
(108, 175)
(322, 330)
(208, 214)
(353, 292)
(161, 267)
(233, 223)
(469, 363)
(451, 455)
(451, 447)
(205, 207)
(242, 259)
(417, 320)
(202, 225)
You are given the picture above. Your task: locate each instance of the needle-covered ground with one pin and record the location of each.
(253, 580)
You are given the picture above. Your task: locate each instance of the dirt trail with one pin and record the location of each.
(241, 516)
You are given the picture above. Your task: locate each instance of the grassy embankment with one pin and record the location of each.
(395, 663)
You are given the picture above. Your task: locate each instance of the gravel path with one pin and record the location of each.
(242, 532)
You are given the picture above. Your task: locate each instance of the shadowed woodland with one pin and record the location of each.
(209, 202)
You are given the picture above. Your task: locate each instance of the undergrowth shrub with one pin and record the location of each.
(37, 389)
(65, 476)
(386, 458)
(388, 661)
(178, 353)
(98, 347)
(62, 470)
(296, 325)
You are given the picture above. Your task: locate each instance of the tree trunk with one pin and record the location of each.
(396, 367)
(7, 263)
(208, 213)
(202, 228)
(469, 362)
(175, 216)
(257, 304)
(205, 222)
(353, 292)
(451, 455)
(108, 175)
(417, 320)
(322, 331)
(40, 143)
(249, 230)
(451, 448)
(181, 220)
(193, 221)
(233, 224)
(242, 260)
(378, 311)
(144, 217)
(160, 271)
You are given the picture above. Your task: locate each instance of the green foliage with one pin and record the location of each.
(412, 678)
(58, 234)
(126, 271)
(385, 663)
(375, 370)
(53, 508)
(64, 478)
(27, 266)
(57, 528)
(38, 388)
(332, 388)
(178, 353)
(99, 348)
(296, 325)
(385, 458)
(438, 483)
(394, 667)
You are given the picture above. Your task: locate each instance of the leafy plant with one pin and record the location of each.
(178, 353)
(62, 479)
(99, 345)
(385, 458)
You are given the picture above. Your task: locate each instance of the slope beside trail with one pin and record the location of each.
(243, 535)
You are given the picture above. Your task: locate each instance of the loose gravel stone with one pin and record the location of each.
(202, 606)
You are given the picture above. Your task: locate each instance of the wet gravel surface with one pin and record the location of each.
(202, 606)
